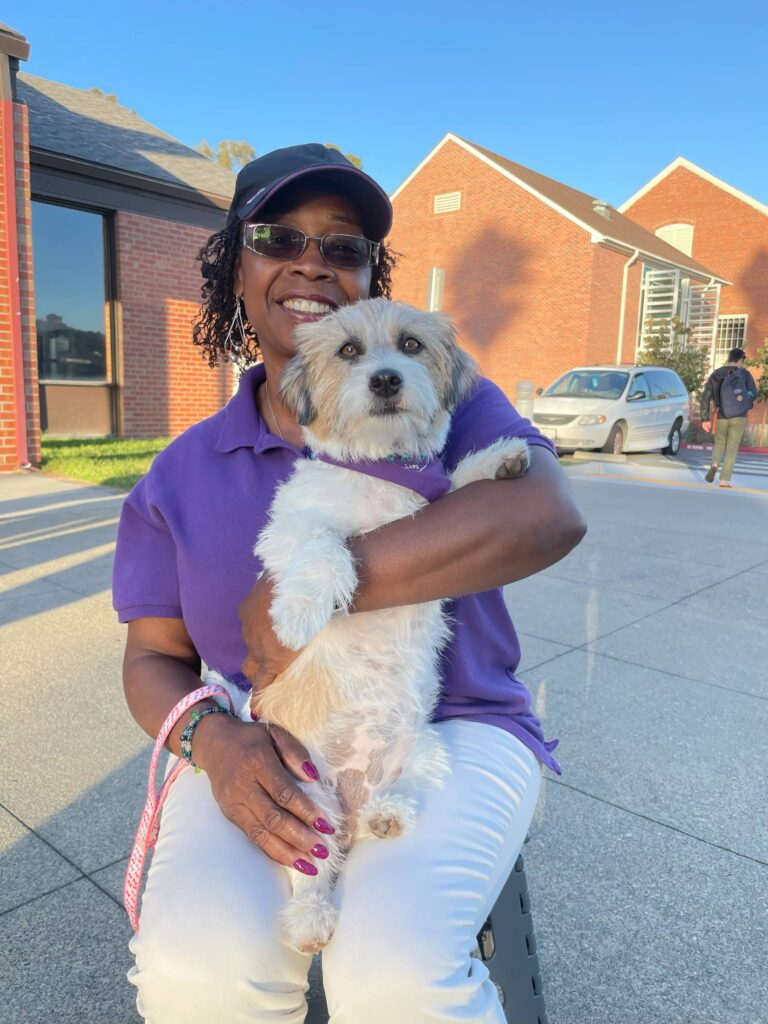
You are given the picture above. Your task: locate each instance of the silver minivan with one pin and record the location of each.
(615, 409)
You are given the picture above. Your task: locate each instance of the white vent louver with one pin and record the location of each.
(679, 235)
(446, 202)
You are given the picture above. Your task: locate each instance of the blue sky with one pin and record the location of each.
(598, 95)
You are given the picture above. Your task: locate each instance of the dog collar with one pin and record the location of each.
(420, 473)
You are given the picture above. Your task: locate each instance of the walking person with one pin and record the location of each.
(731, 389)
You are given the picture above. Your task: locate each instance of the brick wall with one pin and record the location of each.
(729, 235)
(529, 292)
(16, 302)
(166, 384)
(605, 307)
(27, 284)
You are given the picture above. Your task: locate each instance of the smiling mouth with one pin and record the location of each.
(307, 307)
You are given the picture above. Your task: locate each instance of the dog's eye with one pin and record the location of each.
(410, 345)
(349, 350)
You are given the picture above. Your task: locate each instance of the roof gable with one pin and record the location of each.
(680, 161)
(577, 207)
(89, 127)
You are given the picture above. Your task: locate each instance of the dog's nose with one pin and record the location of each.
(385, 383)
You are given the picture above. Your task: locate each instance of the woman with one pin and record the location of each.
(209, 948)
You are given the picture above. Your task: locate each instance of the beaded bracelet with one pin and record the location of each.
(186, 737)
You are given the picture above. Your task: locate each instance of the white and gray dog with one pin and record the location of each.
(373, 385)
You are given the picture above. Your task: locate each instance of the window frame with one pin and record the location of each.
(113, 345)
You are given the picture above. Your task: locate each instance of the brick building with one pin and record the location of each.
(537, 276)
(722, 227)
(101, 218)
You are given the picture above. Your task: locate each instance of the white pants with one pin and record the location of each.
(209, 950)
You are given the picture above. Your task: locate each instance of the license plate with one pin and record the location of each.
(549, 432)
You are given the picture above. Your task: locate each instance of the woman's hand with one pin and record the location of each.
(249, 768)
(266, 657)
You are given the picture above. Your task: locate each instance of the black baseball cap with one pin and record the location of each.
(261, 179)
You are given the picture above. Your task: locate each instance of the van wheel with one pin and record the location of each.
(673, 443)
(615, 443)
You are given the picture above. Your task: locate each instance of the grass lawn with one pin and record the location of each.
(114, 462)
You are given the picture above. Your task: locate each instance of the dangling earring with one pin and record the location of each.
(233, 345)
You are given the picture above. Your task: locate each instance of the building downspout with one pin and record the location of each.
(623, 309)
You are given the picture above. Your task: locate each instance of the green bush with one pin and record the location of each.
(666, 343)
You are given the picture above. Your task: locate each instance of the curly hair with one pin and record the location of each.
(218, 258)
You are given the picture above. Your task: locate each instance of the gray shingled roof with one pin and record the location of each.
(617, 228)
(86, 126)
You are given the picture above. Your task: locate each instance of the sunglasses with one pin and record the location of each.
(278, 242)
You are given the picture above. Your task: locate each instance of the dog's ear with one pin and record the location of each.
(294, 390)
(463, 377)
(462, 369)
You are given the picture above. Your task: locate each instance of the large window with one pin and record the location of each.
(731, 333)
(70, 293)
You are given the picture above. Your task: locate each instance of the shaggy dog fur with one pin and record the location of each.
(361, 693)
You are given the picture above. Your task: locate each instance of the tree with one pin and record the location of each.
(356, 160)
(665, 343)
(761, 363)
(112, 97)
(230, 153)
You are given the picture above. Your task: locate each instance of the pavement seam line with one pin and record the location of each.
(639, 664)
(42, 895)
(673, 675)
(657, 611)
(655, 821)
(58, 853)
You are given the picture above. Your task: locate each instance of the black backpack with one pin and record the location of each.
(735, 399)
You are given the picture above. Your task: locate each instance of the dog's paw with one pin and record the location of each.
(514, 464)
(298, 618)
(309, 921)
(391, 817)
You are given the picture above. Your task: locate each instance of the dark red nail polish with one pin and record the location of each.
(318, 850)
(254, 716)
(323, 826)
(304, 866)
(310, 771)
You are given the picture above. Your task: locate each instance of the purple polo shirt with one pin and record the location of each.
(187, 531)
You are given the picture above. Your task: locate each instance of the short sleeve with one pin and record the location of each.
(484, 417)
(145, 577)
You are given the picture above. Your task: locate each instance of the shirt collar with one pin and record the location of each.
(243, 426)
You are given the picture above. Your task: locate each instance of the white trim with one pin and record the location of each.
(661, 261)
(595, 236)
(680, 161)
(423, 163)
(522, 184)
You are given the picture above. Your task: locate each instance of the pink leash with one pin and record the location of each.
(149, 825)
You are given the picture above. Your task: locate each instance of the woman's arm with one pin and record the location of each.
(483, 536)
(251, 770)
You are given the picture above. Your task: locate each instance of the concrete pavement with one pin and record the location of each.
(648, 865)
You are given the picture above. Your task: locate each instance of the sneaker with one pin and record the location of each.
(710, 474)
